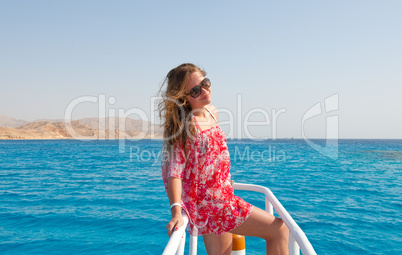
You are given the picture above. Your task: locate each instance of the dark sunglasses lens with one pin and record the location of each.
(206, 83)
(196, 91)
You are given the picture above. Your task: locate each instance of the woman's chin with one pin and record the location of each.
(207, 101)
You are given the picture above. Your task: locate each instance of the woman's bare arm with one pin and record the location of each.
(174, 194)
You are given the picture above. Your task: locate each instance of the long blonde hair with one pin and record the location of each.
(174, 109)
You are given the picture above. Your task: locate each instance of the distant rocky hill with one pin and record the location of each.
(87, 128)
(11, 122)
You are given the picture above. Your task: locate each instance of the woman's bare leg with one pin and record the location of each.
(218, 245)
(263, 224)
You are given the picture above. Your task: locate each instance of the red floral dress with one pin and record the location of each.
(207, 195)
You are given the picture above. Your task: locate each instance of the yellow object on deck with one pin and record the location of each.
(238, 244)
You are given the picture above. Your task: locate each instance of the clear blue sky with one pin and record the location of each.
(274, 54)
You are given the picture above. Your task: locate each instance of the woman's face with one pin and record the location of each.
(195, 79)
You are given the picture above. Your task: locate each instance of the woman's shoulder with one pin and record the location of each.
(213, 109)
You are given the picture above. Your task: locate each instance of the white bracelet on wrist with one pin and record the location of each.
(174, 204)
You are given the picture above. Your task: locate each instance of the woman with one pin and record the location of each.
(196, 170)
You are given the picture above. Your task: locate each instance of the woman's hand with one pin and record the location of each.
(174, 224)
(174, 194)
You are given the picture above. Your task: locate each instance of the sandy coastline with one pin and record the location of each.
(85, 129)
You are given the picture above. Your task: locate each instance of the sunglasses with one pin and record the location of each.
(197, 90)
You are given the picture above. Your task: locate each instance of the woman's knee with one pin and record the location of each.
(283, 231)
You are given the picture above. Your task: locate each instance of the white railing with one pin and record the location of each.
(177, 239)
(297, 238)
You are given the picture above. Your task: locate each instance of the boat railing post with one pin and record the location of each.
(177, 239)
(193, 242)
(293, 246)
(180, 250)
(268, 206)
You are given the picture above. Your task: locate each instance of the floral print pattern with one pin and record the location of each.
(207, 194)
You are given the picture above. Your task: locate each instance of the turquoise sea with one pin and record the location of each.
(93, 197)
